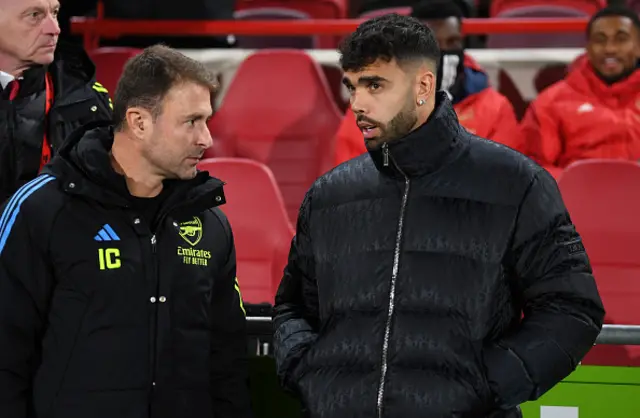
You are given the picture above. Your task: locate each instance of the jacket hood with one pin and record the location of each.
(425, 149)
(583, 78)
(83, 166)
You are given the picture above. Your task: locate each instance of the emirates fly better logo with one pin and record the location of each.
(191, 232)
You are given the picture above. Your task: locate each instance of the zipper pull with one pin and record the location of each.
(153, 243)
(385, 154)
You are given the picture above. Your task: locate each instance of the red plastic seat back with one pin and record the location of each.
(279, 111)
(404, 11)
(589, 7)
(109, 63)
(273, 13)
(316, 9)
(539, 40)
(261, 229)
(604, 204)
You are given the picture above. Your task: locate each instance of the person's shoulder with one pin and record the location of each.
(496, 169)
(491, 155)
(340, 183)
(216, 217)
(37, 201)
(492, 95)
(349, 171)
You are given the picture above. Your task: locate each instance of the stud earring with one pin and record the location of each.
(420, 102)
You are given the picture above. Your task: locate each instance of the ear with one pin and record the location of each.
(425, 84)
(139, 121)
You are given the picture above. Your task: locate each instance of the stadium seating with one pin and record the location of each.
(273, 13)
(381, 12)
(548, 76)
(262, 231)
(315, 9)
(109, 63)
(589, 7)
(532, 40)
(602, 198)
(279, 110)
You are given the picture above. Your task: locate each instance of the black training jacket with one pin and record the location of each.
(101, 318)
(408, 275)
(78, 100)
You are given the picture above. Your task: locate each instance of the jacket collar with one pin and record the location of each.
(70, 70)
(424, 150)
(83, 167)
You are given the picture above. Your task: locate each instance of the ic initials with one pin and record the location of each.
(109, 258)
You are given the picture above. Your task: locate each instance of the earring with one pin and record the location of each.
(420, 102)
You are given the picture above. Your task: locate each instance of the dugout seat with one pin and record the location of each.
(109, 62)
(261, 229)
(589, 7)
(603, 201)
(315, 9)
(279, 111)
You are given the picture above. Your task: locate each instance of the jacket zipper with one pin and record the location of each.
(394, 277)
(155, 311)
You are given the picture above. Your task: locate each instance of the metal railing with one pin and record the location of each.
(93, 29)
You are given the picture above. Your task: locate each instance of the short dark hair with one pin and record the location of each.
(437, 10)
(614, 11)
(388, 37)
(148, 77)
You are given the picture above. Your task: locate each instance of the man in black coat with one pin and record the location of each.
(46, 90)
(437, 276)
(118, 289)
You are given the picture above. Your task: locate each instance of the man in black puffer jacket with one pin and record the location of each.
(118, 289)
(437, 276)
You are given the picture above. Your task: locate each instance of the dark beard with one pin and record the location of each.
(401, 124)
(609, 80)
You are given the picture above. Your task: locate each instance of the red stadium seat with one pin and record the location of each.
(109, 63)
(589, 7)
(548, 76)
(316, 9)
(279, 111)
(538, 40)
(604, 203)
(405, 11)
(508, 88)
(273, 13)
(261, 229)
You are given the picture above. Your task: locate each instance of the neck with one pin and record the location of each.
(12, 67)
(140, 178)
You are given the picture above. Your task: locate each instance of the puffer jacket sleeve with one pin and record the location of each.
(26, 284)
(296, 307)
(563, 312)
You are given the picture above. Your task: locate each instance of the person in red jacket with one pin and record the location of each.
(480, 109)
(595, 111)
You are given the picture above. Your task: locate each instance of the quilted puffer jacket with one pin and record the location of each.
(437, 276)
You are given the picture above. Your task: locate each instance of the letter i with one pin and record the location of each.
(101, 258)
